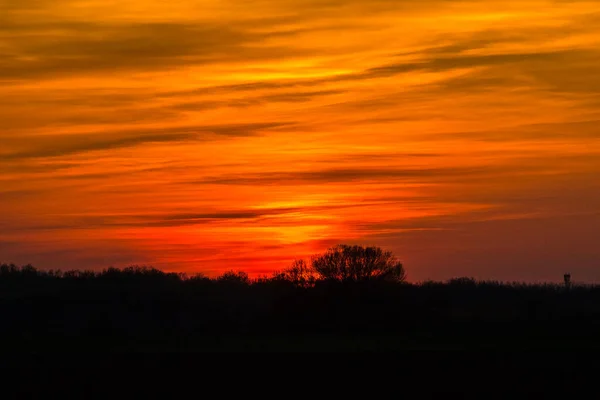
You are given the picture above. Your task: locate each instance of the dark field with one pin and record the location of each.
(145, 310)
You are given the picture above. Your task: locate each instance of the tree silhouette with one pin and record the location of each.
(358, 264)
(145, 309)
(234, 278)
(299, 274)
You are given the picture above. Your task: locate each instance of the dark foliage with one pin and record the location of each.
(145, 309)
(298, 274)
(358, 264)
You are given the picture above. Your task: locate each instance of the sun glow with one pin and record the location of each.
(205, 136)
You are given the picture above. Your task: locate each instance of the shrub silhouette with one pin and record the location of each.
(299, 274)
(345, 263)
(234, 278)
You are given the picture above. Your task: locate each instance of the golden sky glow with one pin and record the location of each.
(208, 135)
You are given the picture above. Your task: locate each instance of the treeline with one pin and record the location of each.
(351, 297)
(341, 263)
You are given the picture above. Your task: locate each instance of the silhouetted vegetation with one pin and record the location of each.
(358, 264)
(349, 298)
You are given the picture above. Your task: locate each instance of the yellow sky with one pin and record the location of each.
(213, 135)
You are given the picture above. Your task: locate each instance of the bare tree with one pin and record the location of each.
(234, 278)
(358, 264)
(299, 273)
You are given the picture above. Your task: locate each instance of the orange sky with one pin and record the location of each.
(208, 135)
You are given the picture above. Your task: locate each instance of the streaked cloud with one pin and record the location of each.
(202, 135)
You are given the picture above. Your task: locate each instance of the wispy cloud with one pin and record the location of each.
(205, 135)
(59, 49)
(62, 145)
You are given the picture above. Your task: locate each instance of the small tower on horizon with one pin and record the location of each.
(567, 278)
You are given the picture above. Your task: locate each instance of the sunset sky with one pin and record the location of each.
(210, 135)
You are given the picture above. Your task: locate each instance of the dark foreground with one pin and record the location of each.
(90, 334)
(141, 310)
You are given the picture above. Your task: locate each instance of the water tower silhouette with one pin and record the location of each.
(567, 278)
